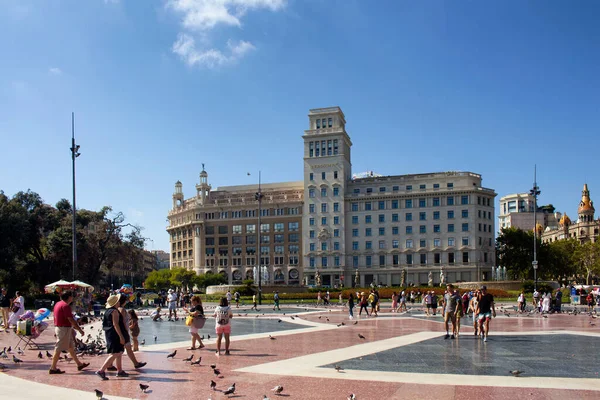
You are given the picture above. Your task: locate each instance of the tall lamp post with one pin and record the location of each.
(258, 196)
(74, 154)
(535, 192)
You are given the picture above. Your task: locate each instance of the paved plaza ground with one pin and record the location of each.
(402, 356)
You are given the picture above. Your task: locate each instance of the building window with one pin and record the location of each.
(382, 189)
(395, 188)
(436, 258)
(465, 213)
(329, 122)
(408, 188)
(336, 191)
(436, 201)
(311, 234)
(324, 246)
(381, 205)
(450, 214)
(464, 199)
(422, 216)
(409, 259)
(311, 150)
(335, 174)
(437, 243)
(292, 226)
(451, 242)
(408, 217)
(408, 203)
(311, 247)
(336, 207)
(335, 147)
(422, 203)
(354, 206)
(394, 230)
(368, 232)
(381, 218)
(354, 232)
(395, 244)
(450, 227)
(436, 215)
(394, 204)
(336, 261)
(381, 231)
(394, 217)
(356, 191)
(422, 243)
(369, 190)
(311, 221)
(382, 244)
(423, 258)
(323, 175)
(355, 261)
(368, 245)
(311, 176)
(465, 227)
(324, 207)
(465, 241)
(436, 185)
(323, 220)
(422, 187)
(336, 220)
(381, 260)
(436, 229)
(311, 208)
(450, 258)
(449, 185)
(323, 192)
(367, 219)
(409, 230)
(355, 246)
(368, 261)
(355, 219)
(450, 201)
(311, 193)
(465, 257)
(367, 206)
(336, 246)
(311, 262)
(422, 229)
(409, 243)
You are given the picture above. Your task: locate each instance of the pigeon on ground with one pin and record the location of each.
(197, 362)
(361, 336)
(272, 337)
(207, 336)
(516, 373)
(351, 396)
(338, 368)
(213, 366)
(355, 322)
(230, 389)
(20, 352)
(155, 338)
(292, 318)
(99, 394)
(143, 342)
(16, 360)
(143, 387)
(173, 354)
(2, 367)
(48, 354)
(9, 349)
(189, 358)
(213, 384)
(216, 372)
(277, 389)
(40, 356)
(279, 320)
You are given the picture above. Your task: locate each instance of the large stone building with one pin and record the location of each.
(516, 210)
(387, 228)
(584, 229)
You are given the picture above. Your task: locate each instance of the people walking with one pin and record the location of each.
(116, 337)
(275, 301)
(172, 300)
(134, 329)
(521, 302)
(196, 311)
(4, 307)
(394, 302)
(254, 302)
(450, 306)
(363, 304)
(434, 303)
(402, 302)
(351, 306)
(236, 296)
(123, 299)
(485, 310)
(473, 309)
(223, 315)
(64, 323)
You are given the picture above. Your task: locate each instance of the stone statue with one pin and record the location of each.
(318, 279)
(357, 279)
(442, 277)
(430, 279)
(403, 278)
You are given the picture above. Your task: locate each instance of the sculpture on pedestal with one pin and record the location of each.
(403, 278)
(430, 279)
(442, 277)
(357, 279)
(318, 279)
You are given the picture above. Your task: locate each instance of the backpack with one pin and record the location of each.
(222, 315)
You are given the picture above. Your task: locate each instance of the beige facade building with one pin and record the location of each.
(585, 229)
(388, 228)
(516, 210)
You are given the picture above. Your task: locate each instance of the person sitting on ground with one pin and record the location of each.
(156, 316)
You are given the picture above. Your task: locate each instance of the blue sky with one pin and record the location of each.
(159, 87)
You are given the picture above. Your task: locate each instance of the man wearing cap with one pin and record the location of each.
(4, 305)
(485, 311)
(172, 300)
(64, 323)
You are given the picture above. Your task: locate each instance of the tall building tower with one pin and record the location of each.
(327, 170)
(586, 206)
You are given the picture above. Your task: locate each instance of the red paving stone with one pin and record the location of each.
(175, 378)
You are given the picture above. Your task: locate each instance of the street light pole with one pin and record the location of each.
(74, 154)
(259, 197)
(535, 191)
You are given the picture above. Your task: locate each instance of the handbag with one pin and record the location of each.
(16, 307)
(189, 320)
(199, 322)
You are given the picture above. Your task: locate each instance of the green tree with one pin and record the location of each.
(587, 257)
(157, 280)
(184, 278)
(514, 250)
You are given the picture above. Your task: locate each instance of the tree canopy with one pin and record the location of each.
(181, 278)
(36, 241)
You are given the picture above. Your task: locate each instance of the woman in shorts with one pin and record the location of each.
(223, 315)
(197, 312)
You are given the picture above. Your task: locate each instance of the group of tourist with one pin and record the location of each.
(12, 308)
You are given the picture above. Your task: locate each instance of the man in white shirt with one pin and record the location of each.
(172, 301)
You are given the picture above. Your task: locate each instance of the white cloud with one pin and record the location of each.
(185, 47)
(201, 16)
(55, 71)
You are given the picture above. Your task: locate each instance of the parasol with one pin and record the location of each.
(82, 285)
(51, 287)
